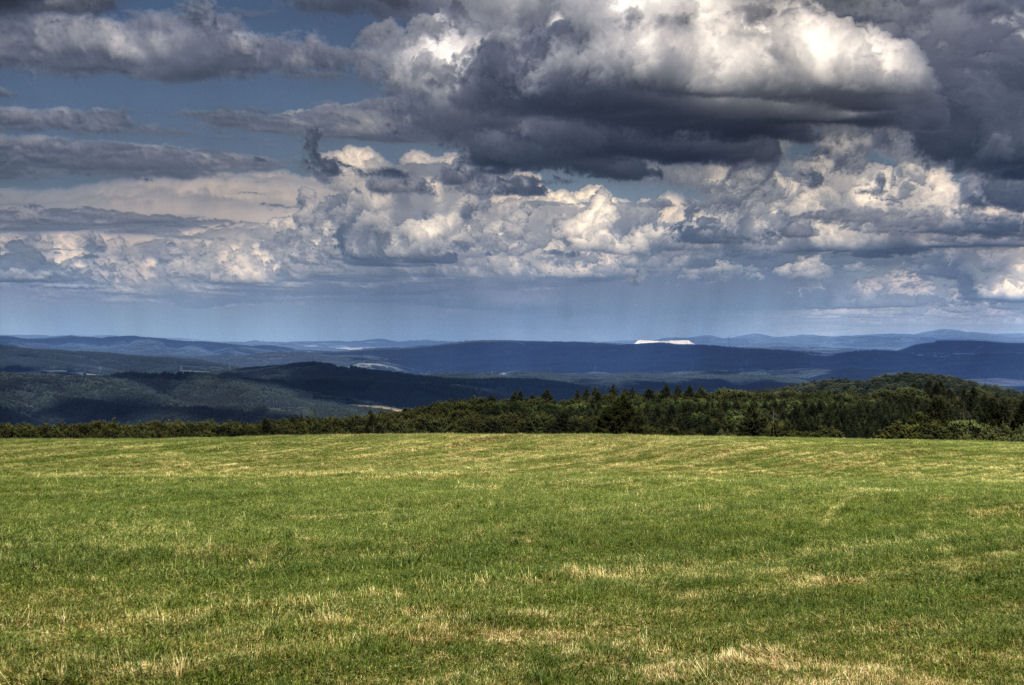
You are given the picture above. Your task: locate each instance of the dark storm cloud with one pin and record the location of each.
(517, 184)
(504, 142)
(396, 181)
(196, 42)
(1008, 193)
(484, 184)
(69, 6)
(594, 147)
(321, 166)
(95, 120)
(37, 155)
(380, 8)
(976, 50)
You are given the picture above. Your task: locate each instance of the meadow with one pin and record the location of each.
(514, 558)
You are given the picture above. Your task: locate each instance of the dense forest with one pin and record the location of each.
(898, 406)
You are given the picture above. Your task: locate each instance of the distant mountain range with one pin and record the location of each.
(222, 352)
(226, 351)
(991, 362)
(984, 360)
(836, 343)
(79, 378)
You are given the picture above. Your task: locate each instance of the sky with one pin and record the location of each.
(510, 169)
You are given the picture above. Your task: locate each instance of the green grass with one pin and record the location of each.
(463, 559)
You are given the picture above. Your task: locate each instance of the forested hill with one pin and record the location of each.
(250, 394)
(898, 406)
(903, 405)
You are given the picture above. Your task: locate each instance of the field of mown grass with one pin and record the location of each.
(464, 559)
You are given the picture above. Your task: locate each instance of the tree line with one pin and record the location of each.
(900, 406)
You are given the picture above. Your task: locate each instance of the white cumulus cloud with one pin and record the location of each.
(813, 267)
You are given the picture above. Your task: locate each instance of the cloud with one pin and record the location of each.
(196, 42)
(805, 267)
(722, 269)
(996, 274)
(35, 219)
(380, 8)
(457, 172)
(1010, 287)
(4, 93)
(454, 229)
(20, 261)
(319, 164)
(380, 119)
(608, 88)
(976, 51)
(430, 218)
(613, 90)
(867, 193)
(864, 194)
(344, 228)
(1000, 192)
(721, 49)
(134, 254)
(69, 6)
(382, 177)
(256, 197)
(39, 155)
(899, 282)
(94, 120)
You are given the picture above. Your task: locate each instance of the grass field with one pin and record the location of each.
(436, 559)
